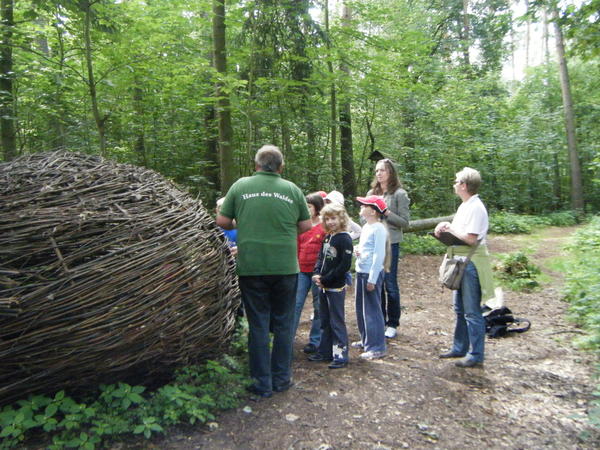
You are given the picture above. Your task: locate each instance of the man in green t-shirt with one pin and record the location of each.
(269, 212)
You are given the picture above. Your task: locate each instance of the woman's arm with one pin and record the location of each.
(398, 214)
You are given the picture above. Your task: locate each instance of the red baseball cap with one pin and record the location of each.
(323, 194)
(373, 200)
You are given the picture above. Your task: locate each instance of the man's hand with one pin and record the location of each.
(370, 287)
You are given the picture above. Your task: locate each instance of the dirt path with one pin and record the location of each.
(532, 392)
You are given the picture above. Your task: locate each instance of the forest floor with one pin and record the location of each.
(533, 391)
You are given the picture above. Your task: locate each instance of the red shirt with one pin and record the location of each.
(309, 245)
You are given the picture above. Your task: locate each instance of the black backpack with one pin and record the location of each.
(500, 322)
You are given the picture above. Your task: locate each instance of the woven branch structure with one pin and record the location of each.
(107, 272)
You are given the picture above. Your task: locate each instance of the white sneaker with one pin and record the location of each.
(357, 344)
(390, 332)
(371, 354)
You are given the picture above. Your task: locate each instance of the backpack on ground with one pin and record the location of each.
(501, 322)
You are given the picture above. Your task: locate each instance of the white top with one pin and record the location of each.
(471, 217)
(371, 250)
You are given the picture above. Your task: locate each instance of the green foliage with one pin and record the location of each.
(517, 272)
(422, 244)
(510, 223)
(195, 395)
(582, 287)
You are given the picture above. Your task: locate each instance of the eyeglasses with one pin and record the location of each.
(458, 182)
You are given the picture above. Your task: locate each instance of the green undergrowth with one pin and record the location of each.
(582, 291)
(582, 283)
(516, 272)
(195, 395)
(509, 223)
(421, 243)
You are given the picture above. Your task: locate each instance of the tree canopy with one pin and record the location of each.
(329, 82)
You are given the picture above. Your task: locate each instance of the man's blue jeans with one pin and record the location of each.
(306, 284)
(390, 294)
(269, 306)
(469, 333)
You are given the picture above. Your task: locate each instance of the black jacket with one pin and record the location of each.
(335, 259)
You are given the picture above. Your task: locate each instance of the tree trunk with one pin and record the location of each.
(346, 149)
(139, 145)
(466, 33)
(223, 106)
(333, 105)
(426, 224)
(576, 183)
(7, 110)
(98, 118)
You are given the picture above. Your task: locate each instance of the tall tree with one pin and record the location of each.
(7, 110)
(99, 118)
(223, 105)
(576, 183)
(346, 149)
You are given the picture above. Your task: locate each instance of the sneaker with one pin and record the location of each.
(309, 349)
(390, 332)
(372, 354)
(357, 344)
(338, 364)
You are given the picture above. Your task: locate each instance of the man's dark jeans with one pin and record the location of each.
(269, 302)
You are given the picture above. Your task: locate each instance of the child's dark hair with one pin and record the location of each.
(316, 200)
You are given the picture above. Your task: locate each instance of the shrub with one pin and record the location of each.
(582, 286)
(517, 272)
(421, 244)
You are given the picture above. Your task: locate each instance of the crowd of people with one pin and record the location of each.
(287, 245)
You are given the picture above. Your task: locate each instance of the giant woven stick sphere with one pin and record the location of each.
(107, 272)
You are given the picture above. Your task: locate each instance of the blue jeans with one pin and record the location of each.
(305, 284)
(390, 294)
(469, 332)
(368, 313)
(269, 305)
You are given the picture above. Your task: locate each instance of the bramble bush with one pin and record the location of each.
(195, 395)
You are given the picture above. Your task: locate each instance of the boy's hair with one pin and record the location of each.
(316, 200)
(471, 177)
(334, 209)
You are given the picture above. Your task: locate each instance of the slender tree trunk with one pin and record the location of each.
(333, 105)
(527, 35)
(7, 109)
(223, 106)
(139, 145)
(98, 118)
(576, 183)
(466, 33)
(346, 149)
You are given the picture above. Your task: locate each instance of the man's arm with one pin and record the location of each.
(303, 225)
(225, 222)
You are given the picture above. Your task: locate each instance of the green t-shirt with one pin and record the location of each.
(267, 210)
